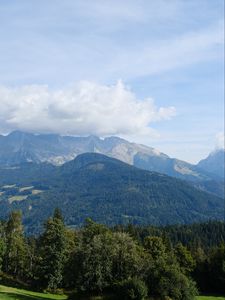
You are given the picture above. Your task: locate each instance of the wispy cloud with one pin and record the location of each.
(83, 109)
(169, 54)
(100, 40)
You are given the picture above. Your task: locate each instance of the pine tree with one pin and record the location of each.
(15, 257)
(52, 252)
(2, 244)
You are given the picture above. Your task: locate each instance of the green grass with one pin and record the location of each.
(8, 293)
(209, 298)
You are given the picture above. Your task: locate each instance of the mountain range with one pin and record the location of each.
(20, 147)
(105, 189)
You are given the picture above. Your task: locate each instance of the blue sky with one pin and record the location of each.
(149, 71)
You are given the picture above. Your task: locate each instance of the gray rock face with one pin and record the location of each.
(19, 147)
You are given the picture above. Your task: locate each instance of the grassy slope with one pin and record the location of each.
(209, 298)
(8, 293)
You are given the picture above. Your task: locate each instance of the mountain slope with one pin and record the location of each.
(105, 189)
(20, 147)
(214, 163)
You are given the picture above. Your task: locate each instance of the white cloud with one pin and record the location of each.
(220, 143)
(82, 109)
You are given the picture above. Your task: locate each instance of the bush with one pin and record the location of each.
(133, 288)
(176, 285)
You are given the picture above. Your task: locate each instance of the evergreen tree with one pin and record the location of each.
(52, 252)
(15, 256)
(2, 244)
(216, 268)
(70, 267)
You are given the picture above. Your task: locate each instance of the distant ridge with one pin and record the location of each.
(19, 147)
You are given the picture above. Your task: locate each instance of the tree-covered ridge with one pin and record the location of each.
(105, 189)
(96, 259)
(204, 235)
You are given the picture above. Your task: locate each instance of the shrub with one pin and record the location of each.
(133, 288)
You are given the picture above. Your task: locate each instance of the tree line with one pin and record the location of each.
(127, 262)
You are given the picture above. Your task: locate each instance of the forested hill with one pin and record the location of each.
(105, 189)
(21, 147)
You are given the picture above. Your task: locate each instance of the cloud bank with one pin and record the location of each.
(82, 109)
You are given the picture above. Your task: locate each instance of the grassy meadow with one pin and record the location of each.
(9, 293)
(210, 298)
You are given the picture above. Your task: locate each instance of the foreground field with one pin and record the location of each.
(8, 293)
(210, 298)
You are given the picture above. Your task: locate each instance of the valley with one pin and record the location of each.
(112, 150)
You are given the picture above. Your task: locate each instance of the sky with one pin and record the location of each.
(148, 71)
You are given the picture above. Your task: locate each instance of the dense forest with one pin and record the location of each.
(105, 189)
(125, 262)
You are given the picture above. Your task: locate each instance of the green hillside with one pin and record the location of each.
(9, 293)
(210, 298)
(105, 189)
